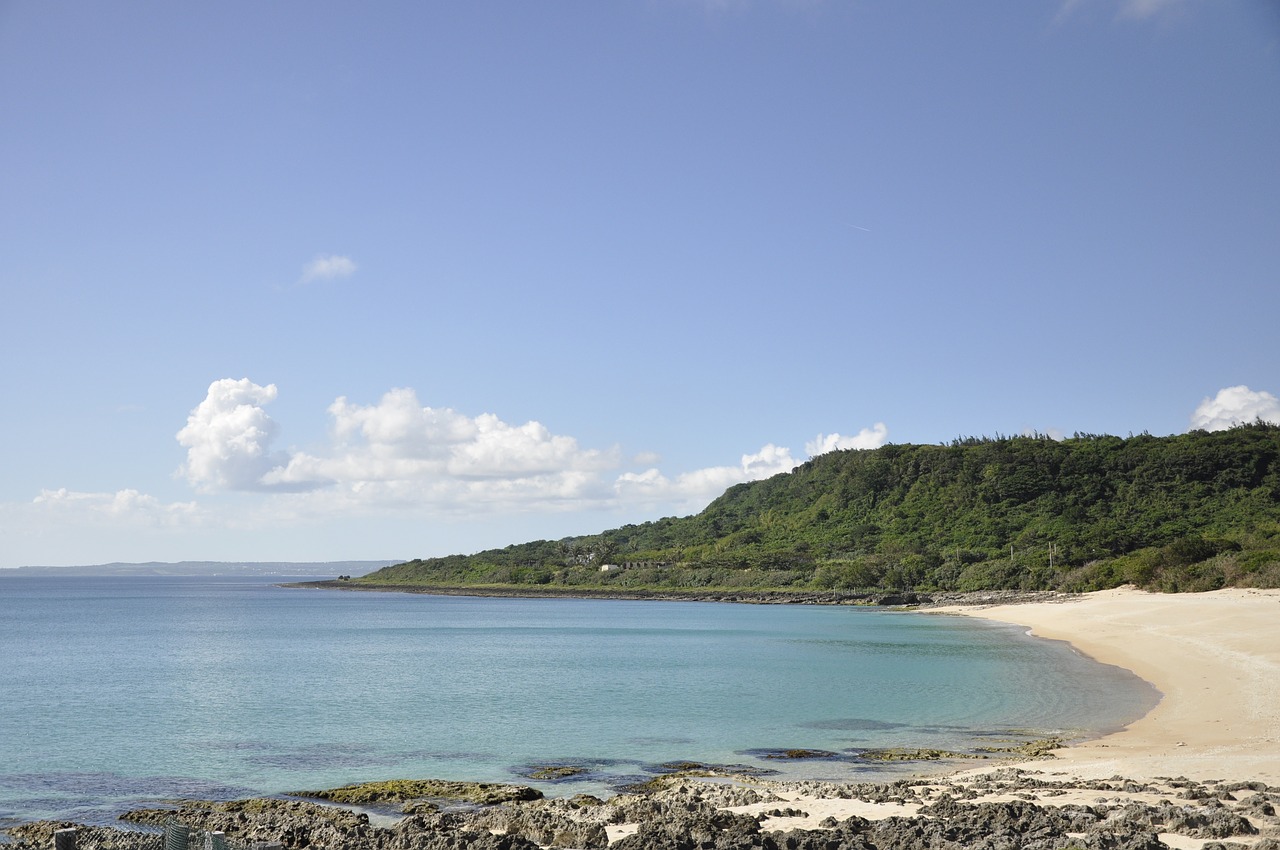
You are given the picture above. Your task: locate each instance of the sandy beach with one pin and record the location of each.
(1201, 771)
(1215, 658)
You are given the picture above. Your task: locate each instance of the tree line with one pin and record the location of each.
(1188, 512)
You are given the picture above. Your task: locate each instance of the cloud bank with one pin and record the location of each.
(400, 453)
(124, 507)
(1235, 406)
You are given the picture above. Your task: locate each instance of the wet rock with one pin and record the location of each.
(406, 790)
(552, 772)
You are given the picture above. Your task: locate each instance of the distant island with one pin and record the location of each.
(1190, 512)
(184, 568)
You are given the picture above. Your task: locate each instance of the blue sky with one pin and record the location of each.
(320, 281)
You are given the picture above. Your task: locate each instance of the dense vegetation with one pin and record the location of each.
(1191, 512)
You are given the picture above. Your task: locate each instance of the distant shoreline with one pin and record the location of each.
(743, 597)
(201, 568)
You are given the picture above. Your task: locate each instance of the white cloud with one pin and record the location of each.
(401, 455)
(1235, 406)
(868, 438)
(124, 507)
(228, 437)
(691, 491)
(400, 451)
(328, 267)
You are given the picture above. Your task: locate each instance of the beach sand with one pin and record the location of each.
(1214, 657)
(1203, 766)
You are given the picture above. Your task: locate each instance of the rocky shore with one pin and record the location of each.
(1007, 809)
(1200, 772)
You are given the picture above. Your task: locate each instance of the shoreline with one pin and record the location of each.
(1201, 768)
(897, 599)
(1214, 657)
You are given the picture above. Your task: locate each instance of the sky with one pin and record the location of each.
(325, 281)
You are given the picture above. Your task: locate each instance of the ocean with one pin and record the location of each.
(116, 692)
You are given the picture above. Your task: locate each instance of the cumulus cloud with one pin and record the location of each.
(399, 454)
(228, 437)
(693, 490)
(1235, 406)
(328, 267)
(868, 438)
(400, 439)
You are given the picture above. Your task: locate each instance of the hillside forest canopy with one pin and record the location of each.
(1189, 512)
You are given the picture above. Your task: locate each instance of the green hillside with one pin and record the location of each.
(1190, 512)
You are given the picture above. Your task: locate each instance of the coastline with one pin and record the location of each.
(1201, 768)
(1214, 657)
(737, 595)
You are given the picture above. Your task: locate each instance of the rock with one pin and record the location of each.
(405, 790)
(798, 754)
(293, 823)
(556, 771)
(1191, 821)
(716, 831)
(902, 599)
(1244, 786)
(39, 836)
(1123, 836)
(1256, 805)
(550, 823)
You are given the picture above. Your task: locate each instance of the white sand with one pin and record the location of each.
(1215, 658)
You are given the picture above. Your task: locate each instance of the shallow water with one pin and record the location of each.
(116, 691)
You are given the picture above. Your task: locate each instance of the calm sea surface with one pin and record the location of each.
(116, 691)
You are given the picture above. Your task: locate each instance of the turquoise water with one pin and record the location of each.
(115, 691)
